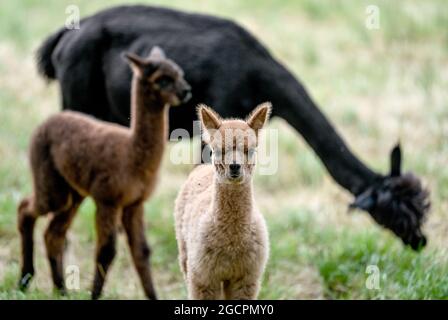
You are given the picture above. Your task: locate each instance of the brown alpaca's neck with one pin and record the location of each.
(232, 201)
(149, 126)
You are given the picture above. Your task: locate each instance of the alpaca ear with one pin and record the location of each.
(135, 62)
(210, 120)
(157, 53)
(258, 118)
(395, 161)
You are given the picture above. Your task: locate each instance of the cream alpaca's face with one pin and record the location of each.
(233, 142)
(163, 76)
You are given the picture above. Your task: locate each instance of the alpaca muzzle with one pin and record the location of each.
(398, 202)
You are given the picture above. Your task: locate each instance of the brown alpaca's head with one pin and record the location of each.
(163, 76)
(233, 142)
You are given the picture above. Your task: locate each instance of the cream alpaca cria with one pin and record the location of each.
(222, 237)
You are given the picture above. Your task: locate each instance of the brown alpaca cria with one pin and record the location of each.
(221, 235)
(74, 156)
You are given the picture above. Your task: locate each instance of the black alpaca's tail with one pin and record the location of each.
(45, 66)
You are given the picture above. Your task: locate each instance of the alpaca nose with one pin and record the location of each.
(234, 169)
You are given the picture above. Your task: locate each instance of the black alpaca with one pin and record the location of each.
(230, 70)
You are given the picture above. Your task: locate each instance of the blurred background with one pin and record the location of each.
(376, 85)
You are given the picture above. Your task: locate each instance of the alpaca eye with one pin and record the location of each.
(217, 154)
(251, 153)
(164, 81)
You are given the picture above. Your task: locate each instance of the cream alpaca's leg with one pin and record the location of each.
(199, 291)
(244, 289)
(183, 257)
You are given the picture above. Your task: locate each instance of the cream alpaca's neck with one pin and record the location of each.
(149, 126)
(232, 201)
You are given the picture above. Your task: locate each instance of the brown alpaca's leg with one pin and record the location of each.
(55, 240)
(106, 230)
(51, 193)
(242, 289)
(133, 222)
(26, 221)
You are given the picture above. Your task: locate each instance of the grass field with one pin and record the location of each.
(377, 86)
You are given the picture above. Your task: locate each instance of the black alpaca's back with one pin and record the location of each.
(221, 61)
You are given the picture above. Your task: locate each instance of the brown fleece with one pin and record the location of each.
(74, 156)
(222, 237)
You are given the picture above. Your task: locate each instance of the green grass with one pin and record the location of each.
(377, 86)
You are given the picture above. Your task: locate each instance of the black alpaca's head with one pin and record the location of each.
(398, 202)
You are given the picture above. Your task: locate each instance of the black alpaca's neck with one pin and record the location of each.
(292, 103)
